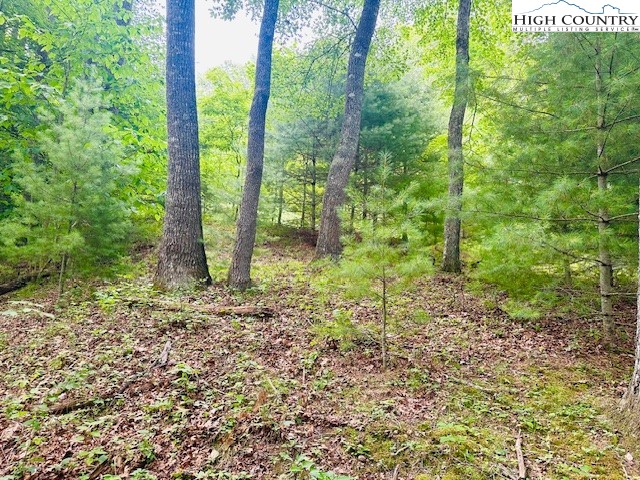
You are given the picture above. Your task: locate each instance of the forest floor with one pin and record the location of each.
(302, 394)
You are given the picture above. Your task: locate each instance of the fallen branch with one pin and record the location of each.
(20, 283)
(72, 405)
(522, 469)
(240, 311)
(396, 472)
(473, 386)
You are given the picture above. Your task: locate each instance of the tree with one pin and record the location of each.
(379, 266)
(45, 45)
(68, 212)
(451, 256)
(631, 399)
(345, 157)
(240, 270)
(558, 175)
(182, 261)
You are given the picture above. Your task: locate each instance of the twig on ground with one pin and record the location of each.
(72, 405)
(522, 469)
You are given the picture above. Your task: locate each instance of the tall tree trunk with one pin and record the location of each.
(240, 270)
(604, 254)
(181, 260)
(451, 255)
(342, 164)
(631, 399)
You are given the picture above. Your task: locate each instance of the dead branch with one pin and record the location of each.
(221, 311)
(522, 469)
(19, 283)
(164, 356)
(75, 404)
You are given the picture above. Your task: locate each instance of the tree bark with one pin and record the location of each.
(631, 399)
(451, 254)
(344, 159)
(181, 261)
(240, 270)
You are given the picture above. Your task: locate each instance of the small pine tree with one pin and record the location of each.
(384, 261)
(68, 211)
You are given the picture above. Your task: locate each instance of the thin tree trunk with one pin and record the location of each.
(280, 201)
(568, 276)
(63, 268)
(236, 206)
(344, 159)
(365, 185)
(384, 318)
(303, 216)
(65, 256)
(352, 212)
(314, 196)
(240, 270)
(604, 254)
(451, 254)
(631, 399)
(182, 261)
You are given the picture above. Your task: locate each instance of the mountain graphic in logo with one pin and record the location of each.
(563, 3)
(575, 7)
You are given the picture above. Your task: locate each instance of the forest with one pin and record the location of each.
(400, 243)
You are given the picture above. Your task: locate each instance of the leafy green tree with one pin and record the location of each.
(304, 124)
(68, 214)
(223, 113)
(45, 45)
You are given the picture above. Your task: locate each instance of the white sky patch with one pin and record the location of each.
(219, 41)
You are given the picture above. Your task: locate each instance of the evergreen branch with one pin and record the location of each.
(527, 171)
(504, 77)
(530, 110)
(626, 215)
(608, 126)
(609, 170)
(532, 217)
(572, 255)
(622, 120)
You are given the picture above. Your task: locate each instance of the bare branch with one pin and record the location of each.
(337, 10)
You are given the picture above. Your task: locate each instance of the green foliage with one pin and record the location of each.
(341, 329)
(386, 247)
(68, 207)
(535, 190)
(223, 116)
(44, 46)
(305, 468)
